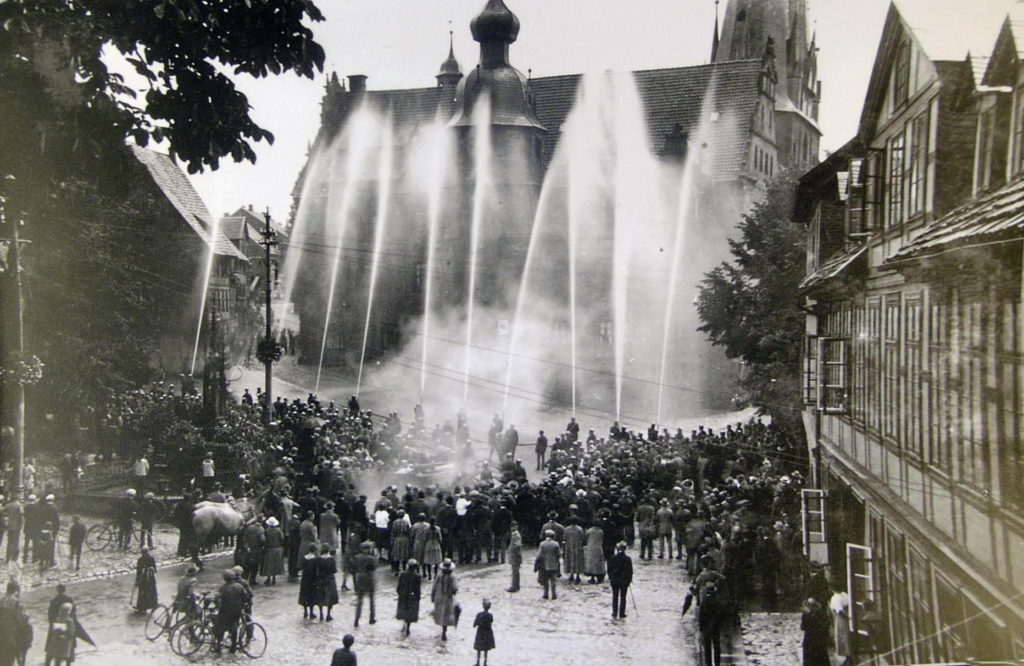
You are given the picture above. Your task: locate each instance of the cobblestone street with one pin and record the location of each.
(574, 629)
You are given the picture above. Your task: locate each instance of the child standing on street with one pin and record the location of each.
(484, 633)
(76, 538)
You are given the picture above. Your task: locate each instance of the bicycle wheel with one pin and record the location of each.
(100, 537)
(158, 621)
(189, 639)
(253, 639)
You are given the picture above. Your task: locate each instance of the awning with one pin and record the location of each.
(835, 265)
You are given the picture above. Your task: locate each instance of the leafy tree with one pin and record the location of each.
(749, 305)
(98, 293)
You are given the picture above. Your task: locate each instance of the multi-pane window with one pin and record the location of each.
(901, 75)
(872, 353)
(891, 369)
(912, 313)
(918, 165)
(1018, 131)
(973, 444)
(921, 605)
(986, 141)
(939, 445)
(1011, 420)
(894, 186)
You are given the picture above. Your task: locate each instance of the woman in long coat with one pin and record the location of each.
(307, 535)
(573, 558)
(145, 581)
(273, 552)
(61, 637)
(420, 530)
(443, 595)
(401, 541)
(593, 555)
(310, 567)
(327, 582)
(432, 553)
(410, 585)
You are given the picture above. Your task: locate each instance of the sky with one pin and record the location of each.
(401, 44)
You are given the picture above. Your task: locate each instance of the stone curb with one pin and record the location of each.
(113, 573)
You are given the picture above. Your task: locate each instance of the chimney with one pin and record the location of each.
(250, 208)
(357, 83)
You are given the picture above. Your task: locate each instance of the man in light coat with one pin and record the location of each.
(515, 556)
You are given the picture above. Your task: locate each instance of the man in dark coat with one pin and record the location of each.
(711, 616)
(364, 580)
(620, 576)
(540, 448)
(234, 598)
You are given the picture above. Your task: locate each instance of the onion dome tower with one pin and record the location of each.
(495, 28)
(450, 73)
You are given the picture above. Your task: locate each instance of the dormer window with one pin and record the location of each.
(1018, 132)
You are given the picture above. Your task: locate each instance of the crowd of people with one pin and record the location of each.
(725, 505)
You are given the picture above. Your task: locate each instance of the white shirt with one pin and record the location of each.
(208, 468)
(382, 519)
(141, 467)
(461, 505)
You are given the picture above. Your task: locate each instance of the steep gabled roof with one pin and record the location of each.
(178, 190)
(669, 96)
(674, 96)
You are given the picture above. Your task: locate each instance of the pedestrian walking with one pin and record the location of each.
(401, 541)
(484, 640)
(147, 512)
(294, 539)
(446, 586)
(208, 472)
(646, 526)
(76, 537)
(308, 533)
(15, 627)
(712, 613)
(330, 525)
(620, 576)
(61, 637)
(364, 580)
(548, 564)
(515, 556)
(310, 571)
(145, 582)
(540, 448)
(410, 584)
(663, 518)
(345, 655)
(126, 509)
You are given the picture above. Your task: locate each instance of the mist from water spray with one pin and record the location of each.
(211, 255)
(517, 317)
(481, 168)
(384, 174)
(300, 232)
(359, 132)
(437, 137)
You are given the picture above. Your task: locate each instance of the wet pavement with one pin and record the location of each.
(574, 629)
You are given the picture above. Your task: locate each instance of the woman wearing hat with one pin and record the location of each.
(273, 552)
(145, 581)
(443, 595)
(410, 585)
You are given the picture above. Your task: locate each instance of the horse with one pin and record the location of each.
(217, 520)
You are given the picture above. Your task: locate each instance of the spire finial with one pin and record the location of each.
(714, 38)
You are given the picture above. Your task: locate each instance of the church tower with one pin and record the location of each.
(749, 28)
(450, 73)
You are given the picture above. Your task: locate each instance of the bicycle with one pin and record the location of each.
(165, 620)
(189, 638)
(104, 535)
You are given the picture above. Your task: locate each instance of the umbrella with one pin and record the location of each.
(80, 632)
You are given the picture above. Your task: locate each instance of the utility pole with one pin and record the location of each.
(269, 344)
(17, 355)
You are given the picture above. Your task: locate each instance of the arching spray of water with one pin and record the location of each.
(359, 132)
(438, 138)
(622, 249)
(384, 174)
(481, 168)
(211, 255)
(536, 229)
(684, 213)
(299, 235)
